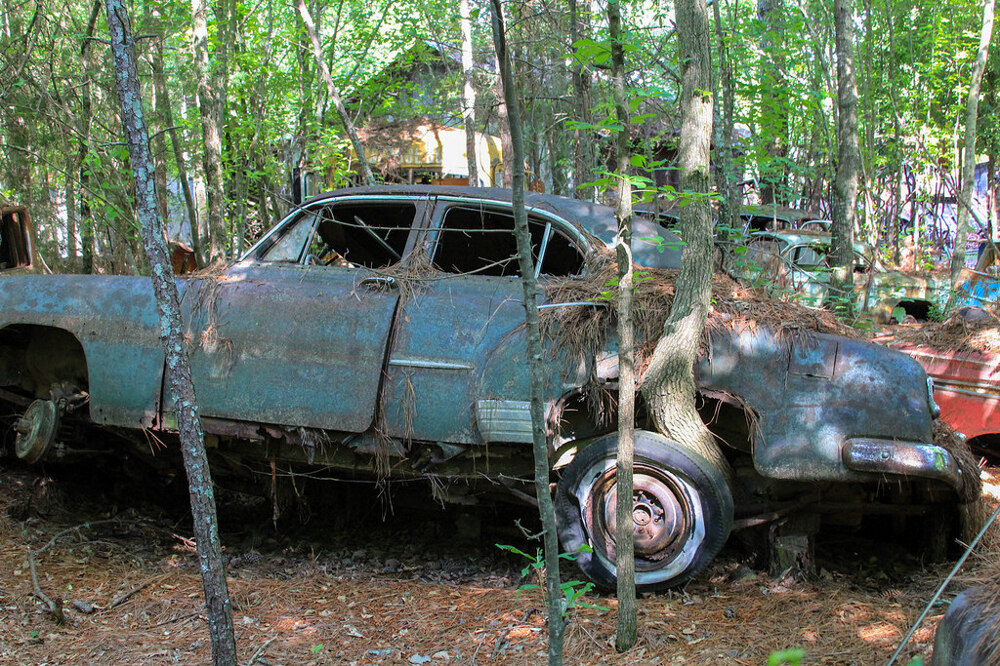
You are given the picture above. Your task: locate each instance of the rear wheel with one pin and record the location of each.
(682, 511)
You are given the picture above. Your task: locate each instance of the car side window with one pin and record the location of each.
(372, 235)
(861, 263)
(482, 242)
(811, 257)
(288, 247)
(762, 253)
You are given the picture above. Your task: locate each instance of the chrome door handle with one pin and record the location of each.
(379, 282)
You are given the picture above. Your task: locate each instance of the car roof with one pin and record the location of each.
(590, 216)
(810, 237)
(780, 212)
(595, 219)
(797, 236)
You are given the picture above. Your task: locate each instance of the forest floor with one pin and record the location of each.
(352, 588)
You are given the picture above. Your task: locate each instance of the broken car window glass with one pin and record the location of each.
(288, 247)
(482, 242)
(347, 235)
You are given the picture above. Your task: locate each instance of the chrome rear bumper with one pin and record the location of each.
(885, 456)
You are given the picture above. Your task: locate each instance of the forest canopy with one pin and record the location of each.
(399, 70)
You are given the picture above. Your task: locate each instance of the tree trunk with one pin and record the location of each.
(725, 164)
(85, 119)
(506, 143)
(584, 150)
(540, 444)
(220, 617)
(668, 385)
(71, 215)
(166, 113)
(331, 90)
(210, 107)
(626, 628)
(160, 161)
(845, 189)
(969, 156)
(469, 93)
(773, 127)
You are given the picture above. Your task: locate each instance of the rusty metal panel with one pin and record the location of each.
(446, 329)
(114, 318)
(289, 344)
(837, 389)
(809, 357)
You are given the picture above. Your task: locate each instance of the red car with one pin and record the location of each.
(966, 388)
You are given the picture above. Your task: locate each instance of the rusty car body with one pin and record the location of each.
(379, 332)
(17, 249)
(967, 388)
(797, 264)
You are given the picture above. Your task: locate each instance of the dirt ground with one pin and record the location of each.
(352, 589)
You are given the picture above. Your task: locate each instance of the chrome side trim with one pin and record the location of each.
(504, 420)
(984, 389)
(402, 362)
(885, 456)
(979, 393)
(935, 408)
(549, 306)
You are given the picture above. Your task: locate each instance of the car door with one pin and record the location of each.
(16, 248)
(457, 371)
(296, 333)
(809, 272)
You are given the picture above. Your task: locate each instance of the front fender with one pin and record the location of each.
(813, 393)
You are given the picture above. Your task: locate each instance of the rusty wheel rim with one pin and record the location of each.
(666, 515)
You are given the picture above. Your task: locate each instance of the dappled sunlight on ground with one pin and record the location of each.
(304, 606)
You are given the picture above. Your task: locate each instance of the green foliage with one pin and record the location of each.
(395, 63)
(574, 590)
(791, 657)
(610, 293)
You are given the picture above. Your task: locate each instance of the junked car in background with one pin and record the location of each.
(967, 388)
(962, 355)
(17, 249)
(797, 264)
(379, 332)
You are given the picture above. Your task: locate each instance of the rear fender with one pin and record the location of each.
(115, 322)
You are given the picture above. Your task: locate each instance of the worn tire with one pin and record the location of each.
(683, 509)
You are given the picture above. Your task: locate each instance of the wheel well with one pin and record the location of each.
(987, 446)
(919, 310)
(33, 358)
(589, 413)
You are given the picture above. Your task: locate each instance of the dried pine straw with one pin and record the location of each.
(733, 307)
(952, 441)
(955, 334)
(303, 615)
(313, 610)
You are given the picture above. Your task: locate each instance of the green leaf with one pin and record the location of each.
(792, 657)
(516, 551)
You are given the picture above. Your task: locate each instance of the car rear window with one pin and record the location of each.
(482, 242)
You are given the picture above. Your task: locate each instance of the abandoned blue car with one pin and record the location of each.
(378, 332)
